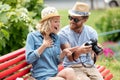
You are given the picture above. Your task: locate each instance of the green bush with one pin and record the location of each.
(17, 18)
(110, 21)
(34, 6)
(14, 27)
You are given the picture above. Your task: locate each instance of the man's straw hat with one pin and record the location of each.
(48, 12)
(79, 9)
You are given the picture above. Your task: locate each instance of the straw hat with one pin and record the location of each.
(80, 9)
(48, 12)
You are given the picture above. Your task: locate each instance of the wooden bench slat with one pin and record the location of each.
(109, 77)
(19, 74)
(98, 66)
(105, 72)
(60, 67)
(101, 68)
(12, 69)
(12, 61)
(12, 55)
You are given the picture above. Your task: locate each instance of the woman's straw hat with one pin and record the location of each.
(79, 9)
(48, 12)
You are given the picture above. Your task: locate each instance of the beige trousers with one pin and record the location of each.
(87, 73)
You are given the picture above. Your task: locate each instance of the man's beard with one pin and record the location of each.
(75, 27)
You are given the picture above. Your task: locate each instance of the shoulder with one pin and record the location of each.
(34, 33)
(89, 28)
(64, 30)
(90, 31)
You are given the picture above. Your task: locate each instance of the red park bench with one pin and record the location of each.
(13, 65)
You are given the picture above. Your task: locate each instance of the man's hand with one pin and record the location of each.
(76, 51)
(82, 50)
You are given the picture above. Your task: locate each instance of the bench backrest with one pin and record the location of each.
(13, 65)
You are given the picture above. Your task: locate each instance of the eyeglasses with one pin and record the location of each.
(76, 20)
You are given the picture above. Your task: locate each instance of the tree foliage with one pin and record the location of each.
(15, 23)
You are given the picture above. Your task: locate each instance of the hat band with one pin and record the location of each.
(80, 13)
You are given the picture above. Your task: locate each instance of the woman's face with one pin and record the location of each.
(55, 25)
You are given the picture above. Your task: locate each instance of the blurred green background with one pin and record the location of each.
(19, 17)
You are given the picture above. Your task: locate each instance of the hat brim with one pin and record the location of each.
(77, 13)
(49, 16)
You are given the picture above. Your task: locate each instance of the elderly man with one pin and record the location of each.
(77, 34)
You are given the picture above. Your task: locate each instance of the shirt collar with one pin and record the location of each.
(53, 36)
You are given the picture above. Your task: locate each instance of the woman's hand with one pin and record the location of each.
(47, 42)
(68, 52)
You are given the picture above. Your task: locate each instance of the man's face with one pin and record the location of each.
(76, 22)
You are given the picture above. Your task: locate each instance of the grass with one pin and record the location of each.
(64, 17)
(113, 65)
